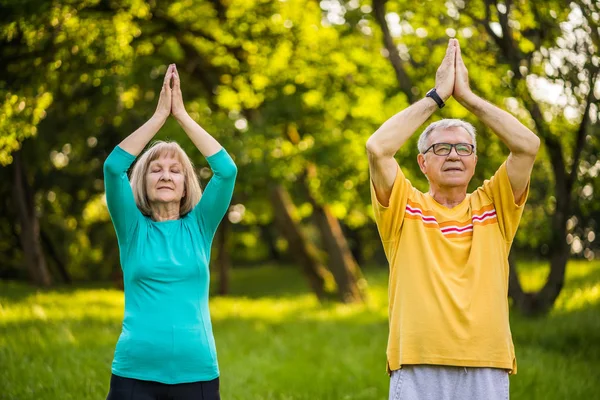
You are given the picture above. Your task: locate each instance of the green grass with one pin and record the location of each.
(276, 342)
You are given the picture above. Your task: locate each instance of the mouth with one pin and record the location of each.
(453, 169)
(164, 187)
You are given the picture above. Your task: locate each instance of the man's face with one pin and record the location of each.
(452, 170)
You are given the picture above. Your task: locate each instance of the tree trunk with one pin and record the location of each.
(223, 260)
(515, 290)
(341, 262)
(556, 279)
(30, 228)
(393, 55)
(538, 303)
(355, 243)
(268, 236)
(303, 251)
(60, 266)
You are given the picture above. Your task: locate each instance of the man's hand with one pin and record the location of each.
(445, 75)
(461, 82)
(163, 109)
(177, 107)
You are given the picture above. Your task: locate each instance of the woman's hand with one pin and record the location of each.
(163, 109)
(177, 107)
(135, 143)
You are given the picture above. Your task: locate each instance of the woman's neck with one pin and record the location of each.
(165, 211)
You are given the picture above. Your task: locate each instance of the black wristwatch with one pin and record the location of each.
(436, 97)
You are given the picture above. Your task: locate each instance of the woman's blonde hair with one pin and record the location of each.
(192, 190)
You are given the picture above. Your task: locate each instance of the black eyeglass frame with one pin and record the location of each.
(452, 146)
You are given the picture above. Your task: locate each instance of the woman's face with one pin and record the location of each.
(165, 182)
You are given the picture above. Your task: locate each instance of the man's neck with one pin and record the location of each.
(448, 197)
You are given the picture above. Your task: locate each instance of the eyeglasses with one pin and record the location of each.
(443, 149)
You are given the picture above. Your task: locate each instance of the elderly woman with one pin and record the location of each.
(165, 227)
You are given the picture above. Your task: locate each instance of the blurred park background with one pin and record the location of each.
(292, 89)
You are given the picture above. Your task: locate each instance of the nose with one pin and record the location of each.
(165, 176)
(453, 154)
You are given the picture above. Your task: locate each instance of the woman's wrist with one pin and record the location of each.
(181, 116)
(159, 117)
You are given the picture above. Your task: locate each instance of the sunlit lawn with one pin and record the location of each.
(275, 342)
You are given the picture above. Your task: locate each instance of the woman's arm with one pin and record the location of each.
(207, 145)
(215, 200)
(135, 143)
(119, 196)
(216, 197)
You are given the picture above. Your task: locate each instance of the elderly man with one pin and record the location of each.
(448, 250)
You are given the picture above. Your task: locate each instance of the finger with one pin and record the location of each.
(450, 53)
(454, 57)
(453, 48)
(167, 76)
(176, 80)
(168, 86)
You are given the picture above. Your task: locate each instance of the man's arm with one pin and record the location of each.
(522, 142)
(388, 139)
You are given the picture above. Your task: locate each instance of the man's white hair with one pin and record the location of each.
(444, 124)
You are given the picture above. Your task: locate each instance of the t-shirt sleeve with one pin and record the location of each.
(216, 197)
(119, 195)
(389, 219)
(508, 212)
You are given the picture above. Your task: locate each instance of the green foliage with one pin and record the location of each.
(275, 341)
(282, 85)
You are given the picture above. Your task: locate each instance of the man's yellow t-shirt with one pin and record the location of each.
(448, 285)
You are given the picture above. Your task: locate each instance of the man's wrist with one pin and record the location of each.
(430, 106)
(469, 100)
(436, 97)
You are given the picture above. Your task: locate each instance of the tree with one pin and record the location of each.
(50, 51)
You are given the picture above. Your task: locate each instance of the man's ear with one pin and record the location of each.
(422, 163)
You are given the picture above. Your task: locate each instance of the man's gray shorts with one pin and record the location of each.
(425, 382)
